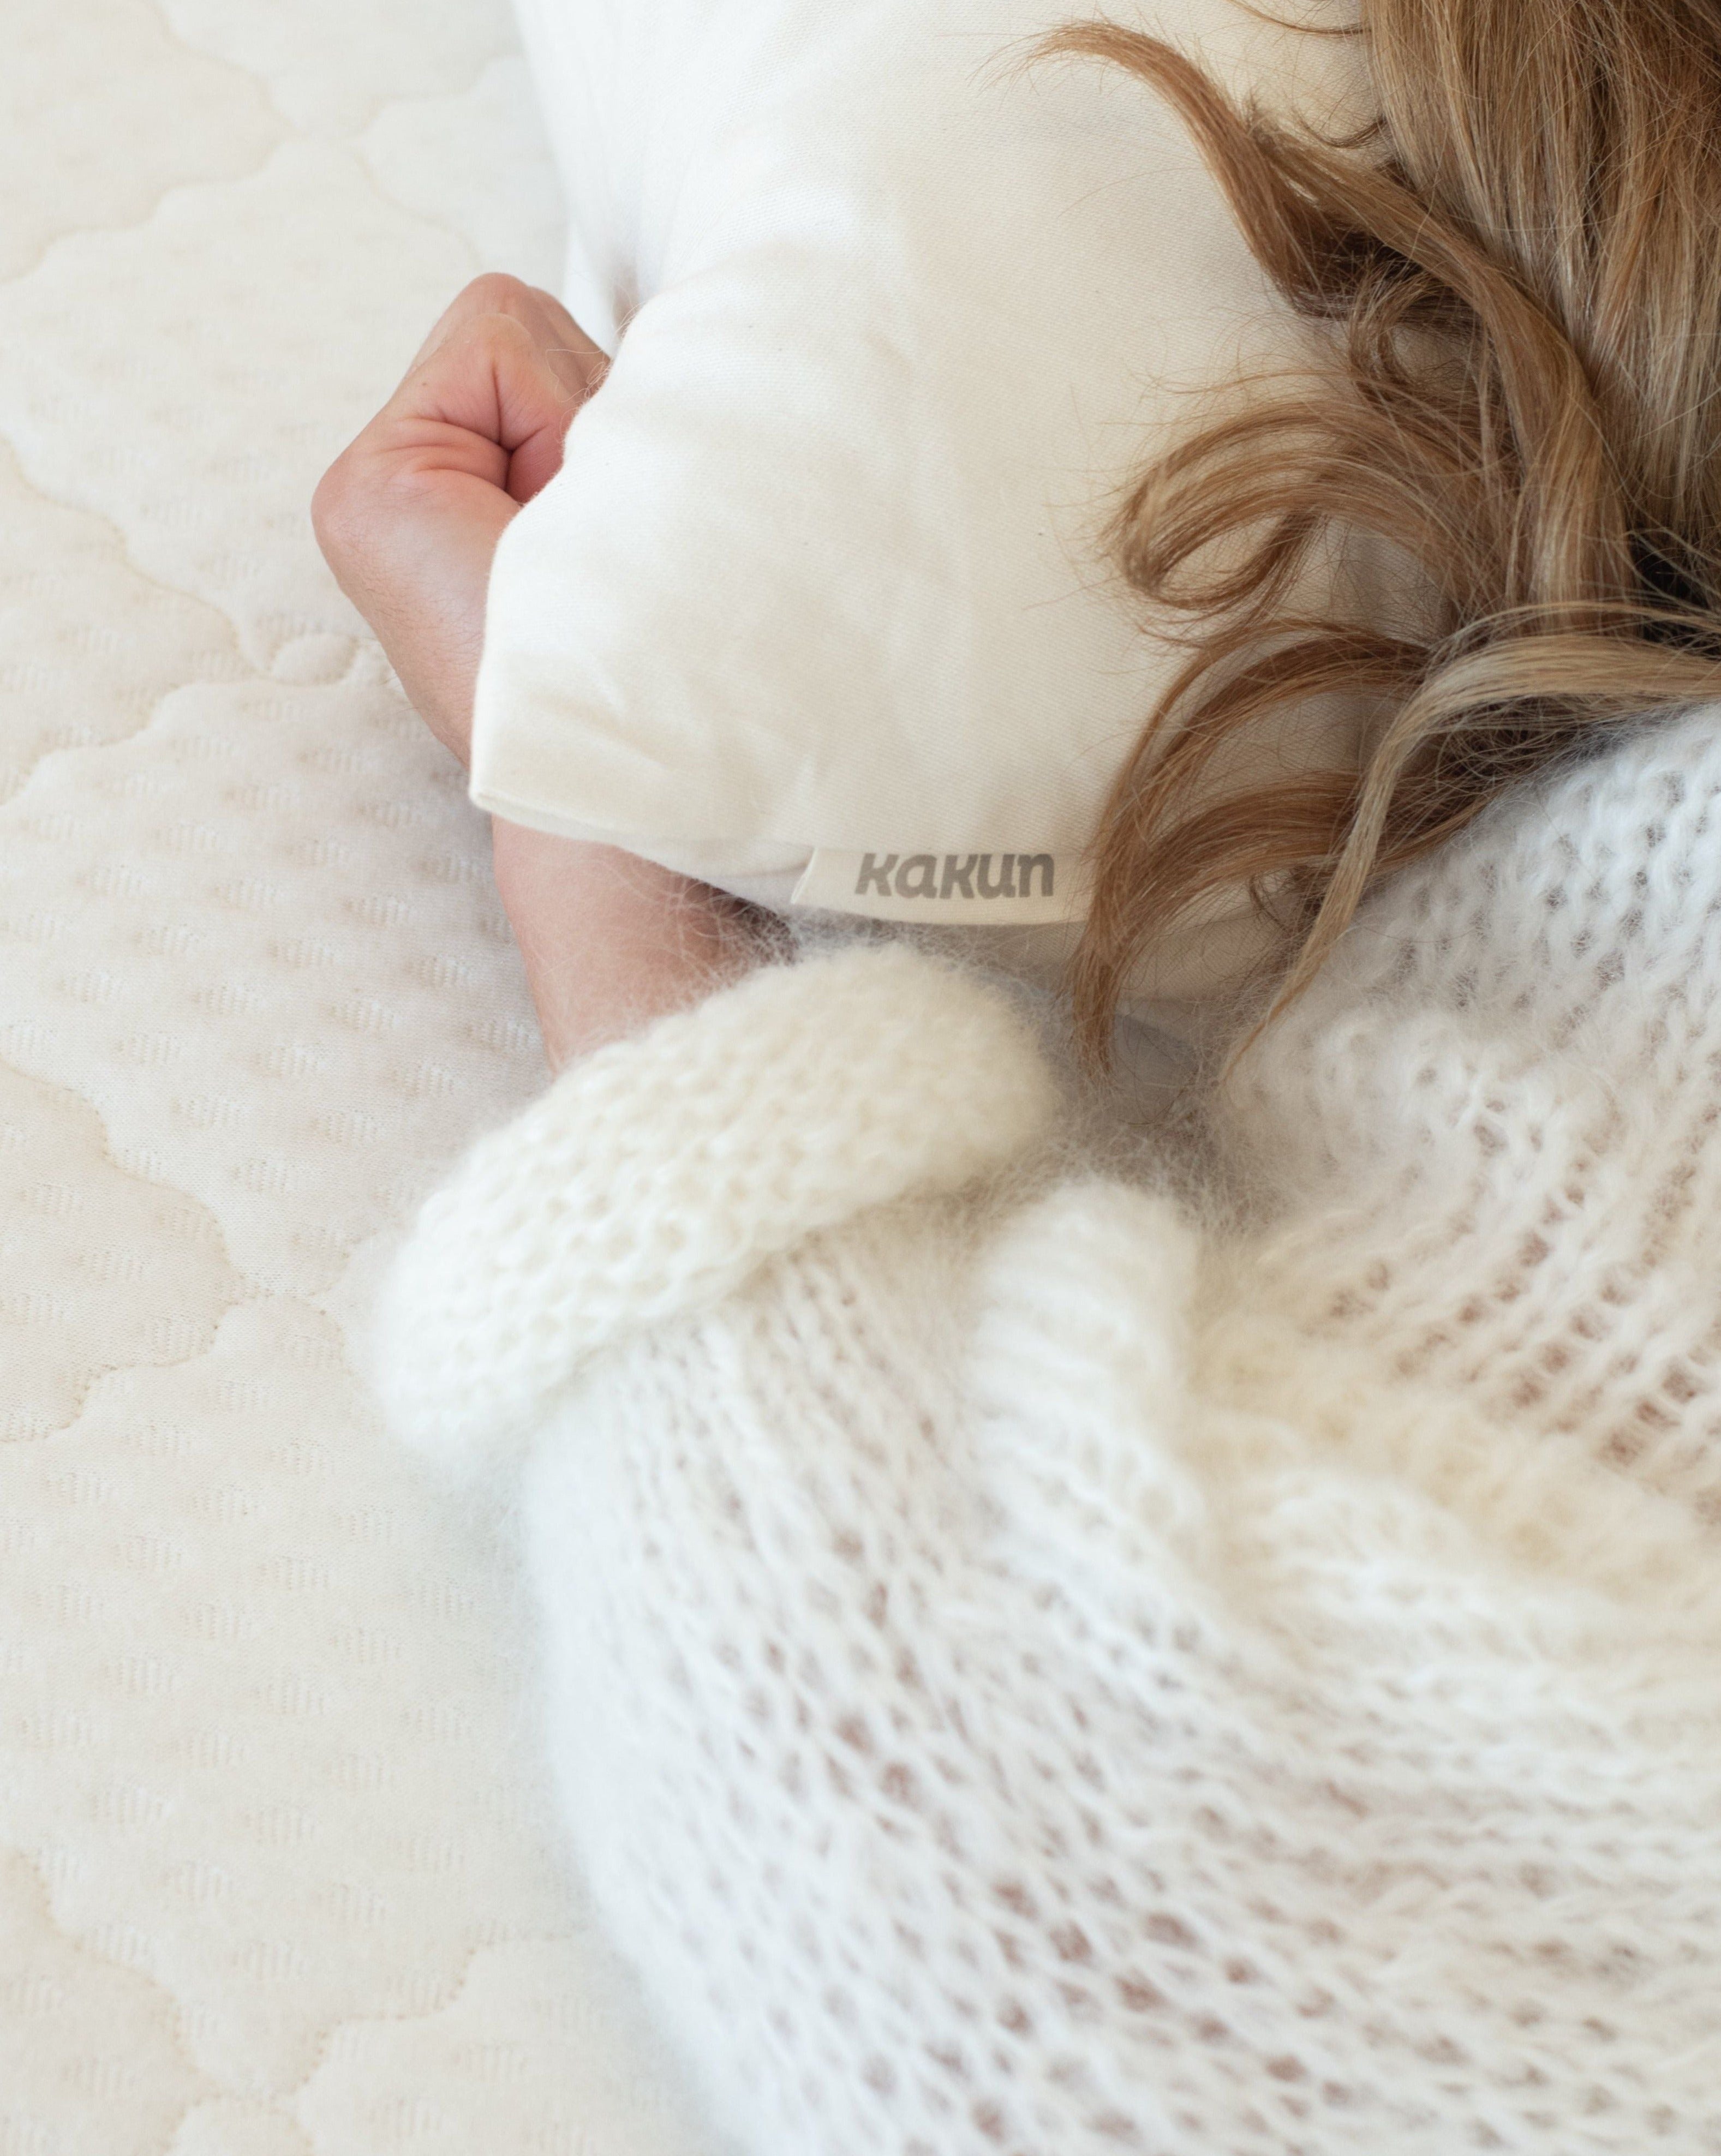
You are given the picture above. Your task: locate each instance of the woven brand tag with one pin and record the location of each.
(959, 889)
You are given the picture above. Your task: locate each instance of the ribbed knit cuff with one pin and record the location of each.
(654, 1176)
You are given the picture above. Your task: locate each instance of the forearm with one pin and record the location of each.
(610, 942)
(409, 516)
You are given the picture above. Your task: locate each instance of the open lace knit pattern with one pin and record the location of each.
(1029, 1672)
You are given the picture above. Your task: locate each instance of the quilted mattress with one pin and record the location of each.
(276, 1873)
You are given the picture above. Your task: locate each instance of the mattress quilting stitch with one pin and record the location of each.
(276, 1873)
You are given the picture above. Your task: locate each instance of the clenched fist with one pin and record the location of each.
(408, 514)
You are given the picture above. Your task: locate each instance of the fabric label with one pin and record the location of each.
(966, 889)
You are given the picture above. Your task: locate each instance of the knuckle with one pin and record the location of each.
(495, 292)
(325, 504)
(334, 508)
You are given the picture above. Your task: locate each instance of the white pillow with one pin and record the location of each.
(815, 608)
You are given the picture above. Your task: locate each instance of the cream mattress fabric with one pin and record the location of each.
(275, 1871)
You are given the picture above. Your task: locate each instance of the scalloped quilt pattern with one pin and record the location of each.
(277, 1873)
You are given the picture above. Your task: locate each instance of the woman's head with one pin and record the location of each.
(1518, 271)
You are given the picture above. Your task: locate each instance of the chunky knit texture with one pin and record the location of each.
(578, 1225)
(1031, 1672)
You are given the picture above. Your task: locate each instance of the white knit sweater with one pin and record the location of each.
(1032, 1674)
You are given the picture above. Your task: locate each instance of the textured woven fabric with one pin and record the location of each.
(1030, 1670)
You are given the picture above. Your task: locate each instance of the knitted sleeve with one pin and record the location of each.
(654, 1176)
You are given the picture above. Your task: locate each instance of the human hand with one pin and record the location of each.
(408, 514)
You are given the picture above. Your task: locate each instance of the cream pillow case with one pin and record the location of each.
(815, 608)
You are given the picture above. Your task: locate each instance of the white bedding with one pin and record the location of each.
(274, 1871)
(820, 580)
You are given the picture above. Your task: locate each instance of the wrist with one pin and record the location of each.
(610, 942)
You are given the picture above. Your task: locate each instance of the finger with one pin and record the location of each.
(492, 293)
(490, 383)
(575, 356)
(489, 378)
(590, 362)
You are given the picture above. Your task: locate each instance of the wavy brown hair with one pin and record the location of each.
(1517, 268)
